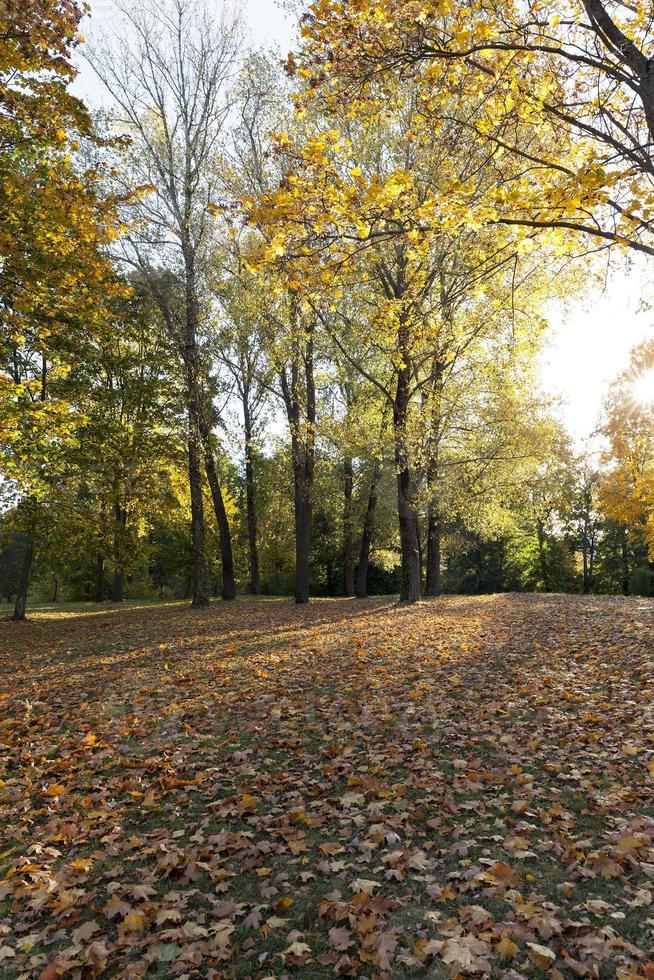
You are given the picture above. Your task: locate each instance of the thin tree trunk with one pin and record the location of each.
(433, 583)
(120, 519)
(20, 604)
(540, 534)
(228, 591)
(194, 409)
(626, 584)
(433, 586)
(366, 535)
(348, 533)
(250, 498)
(99, 577)
(302, 500)
(55, 590)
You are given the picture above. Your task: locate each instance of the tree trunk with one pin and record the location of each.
(99, 578)
(303, 453)
(626, 583)
(584, 556)
(366, 535)
(228, 591)
(55, 589)
(540, 534)
(194, 410)
(407, 517)
(433, 583)
(302, 499)
(199, 565)
(120, 519)
(433, 586)
(408, 522)
(348, 535)
(250, 498)
(20, 604)
(117, 586)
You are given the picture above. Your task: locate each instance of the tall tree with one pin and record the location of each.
(627, 486)
(169, 77)
(361, 214)
(240, 346)
(54, 278)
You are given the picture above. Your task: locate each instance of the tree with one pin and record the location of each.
(560, 94)
(360, 229)
(169, 79)
(240, 346)
(586, 520)
(54, 276)
(129, 438)
(627, 487)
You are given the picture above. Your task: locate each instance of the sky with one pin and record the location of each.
(589, 340)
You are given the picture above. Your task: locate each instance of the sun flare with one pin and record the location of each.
(643, 388)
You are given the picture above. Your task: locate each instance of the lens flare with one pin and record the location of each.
(643, 388)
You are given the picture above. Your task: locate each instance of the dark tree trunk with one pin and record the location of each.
(228, 591)
(99, 578)
(348, 533)
(584, 555)
(20, 604)
(194, 409)
(626, 583)
(433, 583)
(407, 517)
(120, 519)
(408, 522)
(302, 499)
(433, 586)
(117, 586)
(303, 453)
(55, 588)
(250, 499)
(540, 534)
(366, 535)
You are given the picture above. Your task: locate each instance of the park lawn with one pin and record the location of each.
(350, 788)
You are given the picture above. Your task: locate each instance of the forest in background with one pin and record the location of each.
(275, 328)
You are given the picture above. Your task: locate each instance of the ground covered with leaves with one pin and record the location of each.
(351, 789)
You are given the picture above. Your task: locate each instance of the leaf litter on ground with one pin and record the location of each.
(463, 787)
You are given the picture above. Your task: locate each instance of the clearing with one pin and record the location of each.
(354, 789)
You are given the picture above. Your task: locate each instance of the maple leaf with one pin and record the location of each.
(466, 953)
(340, 938)
(365, 885)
